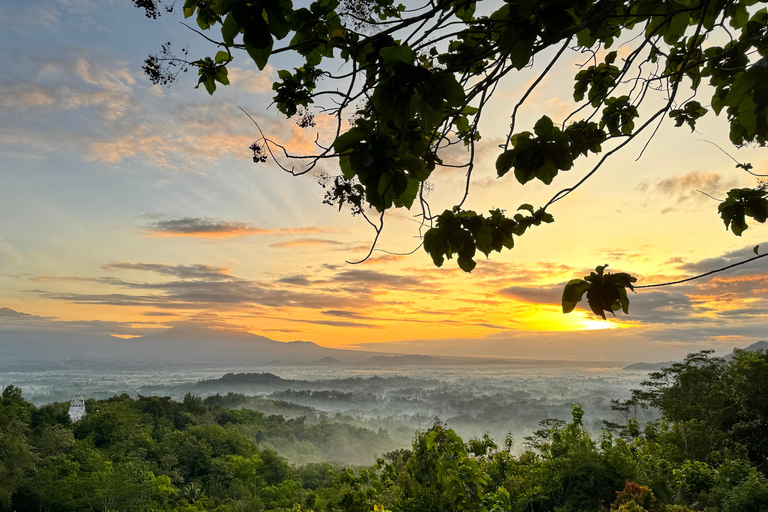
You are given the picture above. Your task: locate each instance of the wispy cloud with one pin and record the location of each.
(344, 314)
(339, 323)
(436, 301)
(204, 287)
(384, 259)
(13, 320)
(537, 294)
(303, 242)
(82, 84)
(208, 227)
(10, 314)
(259, 82)
(295, 280)
(729, 258)
(686, 190)
(665, 307)
(180, 271)
(381, 278)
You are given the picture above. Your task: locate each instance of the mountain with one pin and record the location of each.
(329, 360)
(200, 343)
(654, 367)
(760, 345)
(176, 344)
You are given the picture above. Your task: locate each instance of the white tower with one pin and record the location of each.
(76, 408)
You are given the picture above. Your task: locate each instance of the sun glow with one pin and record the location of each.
(596, 325)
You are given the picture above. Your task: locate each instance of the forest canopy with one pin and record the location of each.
(706, 453)
(406, 84)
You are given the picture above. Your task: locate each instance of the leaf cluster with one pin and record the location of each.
(462, 233)
(416, 81)
(605, 292)
(689, 114)
(742, 203)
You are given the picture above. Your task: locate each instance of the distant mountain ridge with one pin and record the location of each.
(178, 343)
(654, 367)
(760, 345)
(404, 360)
(199, 344)
(193, 344)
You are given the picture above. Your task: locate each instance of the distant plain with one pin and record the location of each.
(498, 398)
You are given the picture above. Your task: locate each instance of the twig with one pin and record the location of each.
(709, 196)
(375, 240)
(738, 164)
(703, 275)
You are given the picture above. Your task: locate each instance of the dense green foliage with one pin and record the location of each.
(153, 453)
(707, 454)
(415, 80)
(718, 408)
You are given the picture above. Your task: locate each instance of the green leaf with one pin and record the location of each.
(222, 75)
(624, 300)
(417, 168)
(348, 140)
(740, 204)
(466, 264)
(259, 55)
(398, 53)
(229, 29)
(544, 127)
(526, 206)
(740, 15)
(346, 167)
(189, 8)
(677, 27)
(605, 292)
(435, 245)
(573, 293)
(202, 23)
(466, 12)
(409, 195)
(504, 162)
(222, 56)
(210, 85)
(521, 52)
(385, 181)
(453, 91)
(462, 124)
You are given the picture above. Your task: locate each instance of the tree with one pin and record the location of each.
(716, 407)
(416, 80)
(17, 460)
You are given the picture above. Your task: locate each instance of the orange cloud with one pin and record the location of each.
(386, 258)
(304, 242)
(208, 227)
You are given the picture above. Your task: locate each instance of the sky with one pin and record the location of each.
(128, 208)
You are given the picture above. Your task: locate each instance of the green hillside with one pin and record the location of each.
(707, 453)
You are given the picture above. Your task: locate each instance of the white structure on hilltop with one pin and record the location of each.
(76, 408)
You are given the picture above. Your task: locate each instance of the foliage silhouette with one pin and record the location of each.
(416, 81)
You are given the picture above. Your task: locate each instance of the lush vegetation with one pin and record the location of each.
(708, 453)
